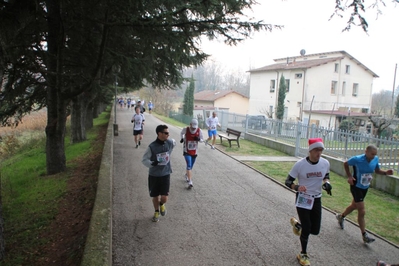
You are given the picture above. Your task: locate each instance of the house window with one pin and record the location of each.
(287, 85)
(272, 85)
(347, 69)
(336, 67)
(271, 110)
(285, 115)
(355, 89)
(333, 87)
(343, 88)
(298, 75)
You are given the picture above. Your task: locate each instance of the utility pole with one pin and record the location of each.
(310, 115)
(393, 90)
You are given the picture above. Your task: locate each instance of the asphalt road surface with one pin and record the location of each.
(232, 216)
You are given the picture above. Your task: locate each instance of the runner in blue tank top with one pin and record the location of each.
(363, 168)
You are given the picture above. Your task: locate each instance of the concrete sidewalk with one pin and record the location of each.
(234, 215)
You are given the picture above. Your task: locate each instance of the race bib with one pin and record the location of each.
(304, 201)
(365, 179)
(213, 127)
(163, 158)
(192, 145)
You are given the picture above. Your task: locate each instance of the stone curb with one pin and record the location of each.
(98, 248)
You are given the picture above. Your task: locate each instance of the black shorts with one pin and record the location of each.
(358, 193)
(159, 185)
(137, 132)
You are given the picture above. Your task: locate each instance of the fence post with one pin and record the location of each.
(298, 139)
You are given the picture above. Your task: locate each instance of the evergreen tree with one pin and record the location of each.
(51, 52)
(188, 106)
(281, 98)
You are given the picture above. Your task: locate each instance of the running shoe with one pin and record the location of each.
(341, 220)
(163, 210)
(367, 239)
(212, 147)
(156, 217)
(206, 143)
(137, 146)
(185, 176)
(139, 142)
(296, 226)
(303, 259)
(382, 263)
(190, 185)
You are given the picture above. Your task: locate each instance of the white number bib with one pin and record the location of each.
(304, 201)
(365, 179)
(163, 158)
(192, 145)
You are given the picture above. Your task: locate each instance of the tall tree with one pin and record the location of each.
(188, 106)
(281, 98)
(53, 51)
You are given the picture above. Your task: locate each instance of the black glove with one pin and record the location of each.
(154, 163)
(196, 138)
(181, 141)
(327, 187)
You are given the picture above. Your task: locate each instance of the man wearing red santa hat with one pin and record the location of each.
(312, 174)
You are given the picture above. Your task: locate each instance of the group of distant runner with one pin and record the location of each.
(131, 103)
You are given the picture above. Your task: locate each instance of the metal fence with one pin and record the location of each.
(339, 144)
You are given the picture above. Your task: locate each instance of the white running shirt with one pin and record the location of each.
(138, 121)
(311, 175)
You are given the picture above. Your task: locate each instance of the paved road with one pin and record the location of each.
(232, 216)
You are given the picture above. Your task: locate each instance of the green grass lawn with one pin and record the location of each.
(30, 198)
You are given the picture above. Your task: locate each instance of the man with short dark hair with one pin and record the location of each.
(138, 129)
(157, 159)
(142, 109)
(212, 123)
(364, 166)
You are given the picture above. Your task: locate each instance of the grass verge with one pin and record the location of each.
(38, 209)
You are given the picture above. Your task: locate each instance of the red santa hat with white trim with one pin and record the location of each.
(315, 143)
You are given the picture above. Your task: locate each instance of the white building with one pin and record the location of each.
(322, 89)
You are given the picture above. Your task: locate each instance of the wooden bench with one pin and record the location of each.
(232, 135)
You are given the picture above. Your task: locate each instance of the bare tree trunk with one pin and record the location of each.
(89, 116)
(56, 102)
(78, 118)
(55, 135)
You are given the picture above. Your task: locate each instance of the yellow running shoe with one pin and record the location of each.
(303, 259)
(156, 217)
(296, 226)
(163, 210)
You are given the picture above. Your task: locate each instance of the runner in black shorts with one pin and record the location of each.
(157, 159)
(364, 166)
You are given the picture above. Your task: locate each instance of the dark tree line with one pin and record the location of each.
(60, 54)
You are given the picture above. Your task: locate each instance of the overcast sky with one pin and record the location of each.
(307, 26)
